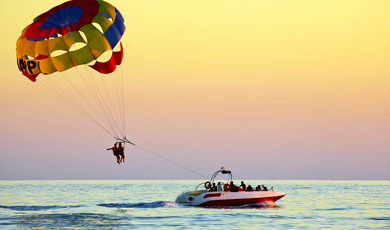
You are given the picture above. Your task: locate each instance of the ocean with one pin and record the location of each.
(132, 204)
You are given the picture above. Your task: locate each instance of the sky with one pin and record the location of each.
(269, 89)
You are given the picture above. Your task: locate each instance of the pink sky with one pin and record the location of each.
(301, 91)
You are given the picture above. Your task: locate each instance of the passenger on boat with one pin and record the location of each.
(265, 188)
(243, 186)
(213, 188)
(249, 188)
(258, 188)
(233, 187)
(219, 186)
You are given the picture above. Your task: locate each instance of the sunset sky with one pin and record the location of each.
(269, 89)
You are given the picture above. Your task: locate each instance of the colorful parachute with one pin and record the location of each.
(79, 33)
(74, 33)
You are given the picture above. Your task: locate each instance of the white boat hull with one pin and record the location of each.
(227, 198)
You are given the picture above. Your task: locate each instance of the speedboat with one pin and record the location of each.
(224, 195)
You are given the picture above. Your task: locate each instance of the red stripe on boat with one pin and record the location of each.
(212, 195)
(236, 202)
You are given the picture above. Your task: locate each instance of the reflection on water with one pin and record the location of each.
(139, 204)
(261, 205)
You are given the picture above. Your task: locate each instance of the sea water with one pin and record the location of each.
(129, 204)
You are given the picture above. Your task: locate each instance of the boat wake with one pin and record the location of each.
(156, 204)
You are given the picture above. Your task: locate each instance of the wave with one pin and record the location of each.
(37, 208)
(156, 204)
(333, 209)
(72, 220)
(336, 209)
(379, 218)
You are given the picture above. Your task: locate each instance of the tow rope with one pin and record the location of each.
(125, 140)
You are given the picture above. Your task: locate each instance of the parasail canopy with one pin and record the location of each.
(74, 33)
(79, 34)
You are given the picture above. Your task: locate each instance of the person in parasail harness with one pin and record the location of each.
(121, 152)
(115, 150)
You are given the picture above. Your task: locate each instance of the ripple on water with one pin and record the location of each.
(38, 208)
(74, 220)
(379, 218)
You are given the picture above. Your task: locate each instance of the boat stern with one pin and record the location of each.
(188, 197)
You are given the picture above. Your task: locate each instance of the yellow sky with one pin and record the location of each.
(274, 70)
